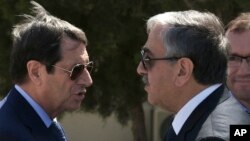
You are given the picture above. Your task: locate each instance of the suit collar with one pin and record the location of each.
(38, 109)
(26, 118)
(202, 111)
(189, 107)
(24, 110)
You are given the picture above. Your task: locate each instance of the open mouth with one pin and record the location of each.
(80, 93)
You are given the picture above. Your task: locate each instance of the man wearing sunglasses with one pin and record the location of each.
(238, 80)
(50, 67)
(183, 65)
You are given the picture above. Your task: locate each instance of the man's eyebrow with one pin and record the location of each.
(145, 49)
(235, 54)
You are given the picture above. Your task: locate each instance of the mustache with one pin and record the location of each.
(145, 79)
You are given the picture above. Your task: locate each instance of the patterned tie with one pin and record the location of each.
(57, 130)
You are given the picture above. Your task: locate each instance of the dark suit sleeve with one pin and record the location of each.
(212, 139)
(7, 137)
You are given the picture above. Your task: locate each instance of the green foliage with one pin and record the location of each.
(116, 32)
(8, 10)
(226, 10)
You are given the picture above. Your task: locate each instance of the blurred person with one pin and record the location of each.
(49, 66)
(238, 80)
(183, 65)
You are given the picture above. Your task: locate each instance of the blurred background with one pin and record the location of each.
(115, 108)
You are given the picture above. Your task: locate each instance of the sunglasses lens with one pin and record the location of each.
(90, 66)
(77, 71)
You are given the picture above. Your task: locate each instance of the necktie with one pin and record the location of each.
(57, 130)
(171, 135)
(248, 111)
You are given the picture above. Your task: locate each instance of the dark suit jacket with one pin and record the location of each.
(212, 118)
(20, 122)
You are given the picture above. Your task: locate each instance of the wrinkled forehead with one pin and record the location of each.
(74, 50)
(239, 42)
(68, 44)
(156, 33)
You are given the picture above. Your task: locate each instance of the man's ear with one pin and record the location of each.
(184, 72)
(34, 69)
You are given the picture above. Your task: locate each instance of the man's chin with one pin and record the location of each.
(146, 88)
(151, 100)
(73, 109)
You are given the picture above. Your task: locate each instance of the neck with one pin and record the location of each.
(187, 93)
(39, 98)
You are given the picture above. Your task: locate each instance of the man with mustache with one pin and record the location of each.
(183, 65)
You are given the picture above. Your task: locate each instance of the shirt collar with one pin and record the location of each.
(243, 106)
(189, 107)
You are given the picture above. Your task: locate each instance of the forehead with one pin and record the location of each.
(239, 42)
(73, 51)
(154, 42)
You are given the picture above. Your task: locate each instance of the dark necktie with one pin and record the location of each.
(171, 135)
(57, 130)
(248, 111)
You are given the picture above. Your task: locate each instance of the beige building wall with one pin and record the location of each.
(90, 127)
(80, 126)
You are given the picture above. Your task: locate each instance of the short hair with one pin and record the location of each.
(199, 36)
(240, 23)
(38, 38)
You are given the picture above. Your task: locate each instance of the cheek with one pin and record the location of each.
(153, 88)
(72, 103)
(154, 80)
(159, 83)
(230, 77)
(66, 90)
(61, 89)
(231, 72)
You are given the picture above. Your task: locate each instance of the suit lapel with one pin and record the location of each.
(200, 114)
(28, 116)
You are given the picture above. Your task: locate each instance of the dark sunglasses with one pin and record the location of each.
(77, 70)
(145, 59)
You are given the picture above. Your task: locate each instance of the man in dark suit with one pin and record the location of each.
(49, 65)
(183, 65)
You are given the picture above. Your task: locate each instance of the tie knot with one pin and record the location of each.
(248, 111)
(55, 125)
(57, 130)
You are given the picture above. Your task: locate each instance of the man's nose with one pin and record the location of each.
(140, 69)
(86, 78)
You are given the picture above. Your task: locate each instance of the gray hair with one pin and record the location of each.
(199, 36)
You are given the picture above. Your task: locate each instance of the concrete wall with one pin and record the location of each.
(91, 127)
